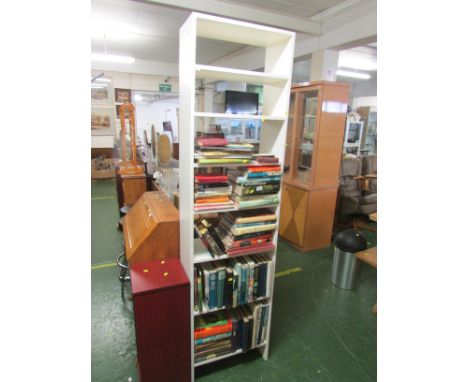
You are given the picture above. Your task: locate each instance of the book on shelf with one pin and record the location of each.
(255, 201)
(211, 142)
(233, 282)
(230, 330)
(229, 153)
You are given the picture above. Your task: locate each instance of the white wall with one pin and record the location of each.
(364, 94)
(155, 114)
(148, 114)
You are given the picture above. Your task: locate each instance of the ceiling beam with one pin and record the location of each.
(220, 8)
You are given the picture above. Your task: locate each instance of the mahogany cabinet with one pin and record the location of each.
(161, 305)
(317, 118)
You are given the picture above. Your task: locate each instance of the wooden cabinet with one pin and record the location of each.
(161, 305)
(151, 228)
(316, 124)
(133, 187)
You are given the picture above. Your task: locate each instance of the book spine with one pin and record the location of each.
(200, 290)
(220, 287)
(228, 287)
(255, 282)
(212, 302)
(249, 242)
(261, 325)
(265, 323)
(196, 297)
(212, 331)
(214, 354)
(235, 288)
(251, 281)
(212, 338)
(262, 273)
(216, 238)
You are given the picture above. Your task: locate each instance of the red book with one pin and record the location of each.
(251, 249)
(267, 160)
(263, 168)
(212, 331)
(214, 199)
(251, 241)
(215, 178)
(211, 142)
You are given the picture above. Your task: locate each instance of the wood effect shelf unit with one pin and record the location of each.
(276, 79)
(317, 118)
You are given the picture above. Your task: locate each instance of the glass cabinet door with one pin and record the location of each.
(306, 134)
(289, 136)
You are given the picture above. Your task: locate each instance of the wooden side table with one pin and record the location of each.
(369, 256)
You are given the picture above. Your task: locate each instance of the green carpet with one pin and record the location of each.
(319, 332)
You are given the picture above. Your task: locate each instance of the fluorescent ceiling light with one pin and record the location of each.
(112, 58)
(138, 97)
(346, 73)
(98, 85)
(103, 80)
(357, 61)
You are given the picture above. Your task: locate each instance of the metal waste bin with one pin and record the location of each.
(346, 268)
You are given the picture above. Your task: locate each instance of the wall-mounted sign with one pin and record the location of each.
(165, 88)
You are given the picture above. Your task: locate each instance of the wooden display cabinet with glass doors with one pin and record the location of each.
(316, 124)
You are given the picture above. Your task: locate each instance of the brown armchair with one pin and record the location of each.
(357, 196)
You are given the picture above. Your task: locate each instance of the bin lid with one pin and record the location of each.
(350, 240)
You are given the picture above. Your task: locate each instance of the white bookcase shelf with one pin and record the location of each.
(240, 116)
(218, 73)
(276, 81)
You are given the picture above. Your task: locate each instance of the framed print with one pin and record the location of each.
(123, 95)
(102, 120)
(101, 95)
(117, 111)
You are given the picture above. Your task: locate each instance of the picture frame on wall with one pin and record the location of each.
(123, 95)
(117, 112)
(101, 95)
(102, 120)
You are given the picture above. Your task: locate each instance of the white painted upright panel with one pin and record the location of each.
(187, 55)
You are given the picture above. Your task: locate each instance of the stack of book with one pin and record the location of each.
(212, 191)
(232, 283)
(213, 335)
(256, 185)
(246, 231)
(225, 332)
(219, 151)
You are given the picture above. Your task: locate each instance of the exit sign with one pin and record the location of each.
(165, 88)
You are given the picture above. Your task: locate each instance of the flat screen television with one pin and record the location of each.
(240, 102)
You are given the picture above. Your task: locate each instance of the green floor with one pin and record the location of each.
(319, 332)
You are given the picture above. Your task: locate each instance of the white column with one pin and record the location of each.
(323, 65)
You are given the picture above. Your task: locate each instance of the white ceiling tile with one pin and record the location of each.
(302, 12)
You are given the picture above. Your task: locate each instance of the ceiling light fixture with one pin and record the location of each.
(358, 61)
(112, 58)
(346, 73)
(101, 79)
(138, 97)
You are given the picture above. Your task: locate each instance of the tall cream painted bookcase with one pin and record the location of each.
(276, 80)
